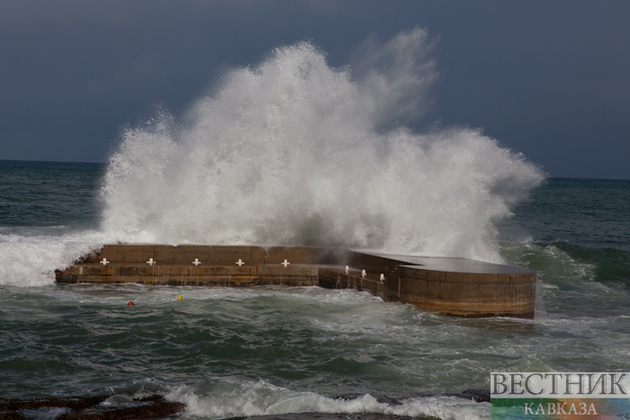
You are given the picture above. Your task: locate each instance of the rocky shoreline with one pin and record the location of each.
(89, 408)
(121, 407)
(332, 416)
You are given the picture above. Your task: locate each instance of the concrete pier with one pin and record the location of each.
(453, 286)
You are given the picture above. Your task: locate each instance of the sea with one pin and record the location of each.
(296, 152)
(270, 350)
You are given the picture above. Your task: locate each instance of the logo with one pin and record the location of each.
(560, 395)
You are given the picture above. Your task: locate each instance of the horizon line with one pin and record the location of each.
(105, 163)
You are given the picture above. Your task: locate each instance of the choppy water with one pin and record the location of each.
(238, 170)
(229, 352)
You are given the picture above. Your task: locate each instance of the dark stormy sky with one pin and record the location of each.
(550, 79)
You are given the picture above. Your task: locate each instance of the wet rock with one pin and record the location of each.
(120, 407)
(11, 416)
(92, 408)
(147, 411)
(74, 403)
(332, 416)
(479, 395)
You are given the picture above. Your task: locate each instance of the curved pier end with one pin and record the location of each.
(458, 286)
(453, 286)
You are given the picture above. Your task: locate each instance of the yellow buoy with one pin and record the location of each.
(180, 297)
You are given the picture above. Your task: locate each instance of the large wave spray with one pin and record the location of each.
(296, 152)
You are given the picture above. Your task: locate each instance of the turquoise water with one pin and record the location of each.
(229, 352)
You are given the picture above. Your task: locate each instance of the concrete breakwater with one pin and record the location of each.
(453, 286)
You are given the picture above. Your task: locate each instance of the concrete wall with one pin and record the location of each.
(450, 286)
(212, 255)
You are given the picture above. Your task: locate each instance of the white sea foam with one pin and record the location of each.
(32, 260)
(296, 152)
(232, 398)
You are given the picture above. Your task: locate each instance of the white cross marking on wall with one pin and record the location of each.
(240, 262)
(196, 262)
(104, 262)
(285, 263)
(151, 262)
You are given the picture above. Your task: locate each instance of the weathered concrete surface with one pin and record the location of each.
(453, 286)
